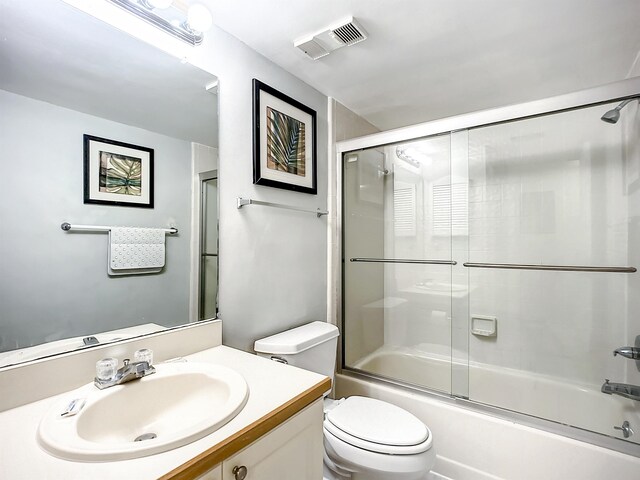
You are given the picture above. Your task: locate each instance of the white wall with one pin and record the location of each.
(55, 284)
(347, 124)
(272, 262)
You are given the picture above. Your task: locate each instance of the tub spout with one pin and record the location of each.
(628, 352)
(622, 389)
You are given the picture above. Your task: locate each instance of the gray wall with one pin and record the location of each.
(273, 263)
(55, 284)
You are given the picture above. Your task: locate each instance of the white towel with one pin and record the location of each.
(136, 250)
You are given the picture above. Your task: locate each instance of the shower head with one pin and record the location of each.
(612, 116)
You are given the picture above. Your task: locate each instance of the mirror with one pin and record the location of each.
(63, 75)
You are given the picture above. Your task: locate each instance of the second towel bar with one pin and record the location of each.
(249, 201)
(403, 260)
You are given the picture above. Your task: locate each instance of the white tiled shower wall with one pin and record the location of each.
(551, 190)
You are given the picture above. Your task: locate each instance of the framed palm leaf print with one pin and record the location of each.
(117, 173)
(284, 141)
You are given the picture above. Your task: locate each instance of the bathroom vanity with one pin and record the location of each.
(277, 434)
(292, 450)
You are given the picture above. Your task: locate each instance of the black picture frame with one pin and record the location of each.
(117, 190)
(281, 121)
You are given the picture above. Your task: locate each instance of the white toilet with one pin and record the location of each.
(364, 438)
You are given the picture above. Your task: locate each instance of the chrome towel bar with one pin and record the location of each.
(66, 226)
(248, 201)
(403, 260)
(510, 266)
(560, 268)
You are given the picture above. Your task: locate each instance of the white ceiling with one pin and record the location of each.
(81, 63)
(428, 59)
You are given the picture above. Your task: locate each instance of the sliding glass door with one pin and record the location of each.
(498, 264)
(397, 261)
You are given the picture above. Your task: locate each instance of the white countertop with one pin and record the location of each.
(271, 384)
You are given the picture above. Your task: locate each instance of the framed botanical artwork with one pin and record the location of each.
(117, 173)
(284, 141)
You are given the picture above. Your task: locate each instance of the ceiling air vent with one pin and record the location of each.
(343, 34)
(351, 33)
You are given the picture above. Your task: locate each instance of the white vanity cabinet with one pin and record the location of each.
(276, 436)
(291, 451)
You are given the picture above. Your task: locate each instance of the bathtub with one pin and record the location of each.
(583, 406)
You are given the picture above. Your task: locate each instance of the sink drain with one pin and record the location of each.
(145, 436)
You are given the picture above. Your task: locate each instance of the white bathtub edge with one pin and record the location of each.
(472, 445)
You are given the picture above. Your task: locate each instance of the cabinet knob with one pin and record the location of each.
(239, 473)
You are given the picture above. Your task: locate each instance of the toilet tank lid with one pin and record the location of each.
(297, 339)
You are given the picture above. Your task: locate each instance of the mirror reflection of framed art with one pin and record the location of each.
(117, 173)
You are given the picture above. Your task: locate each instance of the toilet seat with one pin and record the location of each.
(377, 426)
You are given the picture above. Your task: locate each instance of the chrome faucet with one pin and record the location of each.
(129, 371)
(628, 352)
(622, 389)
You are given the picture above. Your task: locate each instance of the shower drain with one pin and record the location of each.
(145, 436)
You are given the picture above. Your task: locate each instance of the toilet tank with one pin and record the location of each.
(311, 346)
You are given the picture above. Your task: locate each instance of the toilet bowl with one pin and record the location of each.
(364, 438)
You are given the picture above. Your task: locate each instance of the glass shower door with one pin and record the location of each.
(397, 266)
(557, 190)
(209, 249)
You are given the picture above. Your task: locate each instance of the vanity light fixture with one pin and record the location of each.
(186, 24)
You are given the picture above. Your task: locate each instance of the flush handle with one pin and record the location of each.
(239, 473)
(626, 429)
(275, 358)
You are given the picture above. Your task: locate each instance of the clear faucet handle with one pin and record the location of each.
(143, 355)
(106, 368)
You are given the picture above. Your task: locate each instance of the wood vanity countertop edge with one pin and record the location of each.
(236, 442)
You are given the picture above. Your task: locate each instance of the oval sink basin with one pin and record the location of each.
(180, 403)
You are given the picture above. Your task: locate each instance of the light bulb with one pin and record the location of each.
(199, 18)
(161, 4)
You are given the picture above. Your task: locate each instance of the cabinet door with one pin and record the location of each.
(292, 451)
